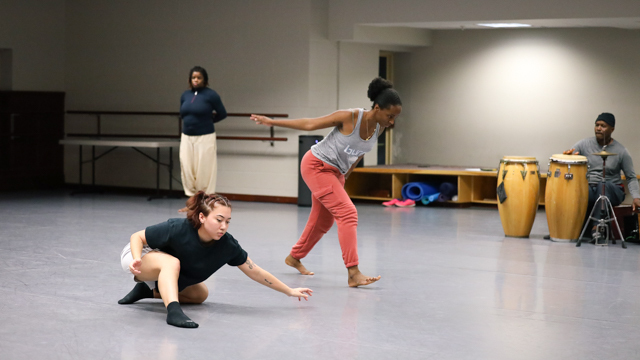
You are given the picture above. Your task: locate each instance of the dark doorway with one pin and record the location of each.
(384, 64)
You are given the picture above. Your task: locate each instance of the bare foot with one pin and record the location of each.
(184, 209)
(295, 263)
(356, 278)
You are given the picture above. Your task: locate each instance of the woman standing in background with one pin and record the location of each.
(200, 108)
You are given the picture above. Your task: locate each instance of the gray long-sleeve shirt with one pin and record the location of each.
(621, 161)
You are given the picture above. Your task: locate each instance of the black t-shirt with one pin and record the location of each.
(198, 260)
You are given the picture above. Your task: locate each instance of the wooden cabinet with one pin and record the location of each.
(31, 124)
(385, 182)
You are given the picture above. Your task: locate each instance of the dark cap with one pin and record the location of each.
(608, 118)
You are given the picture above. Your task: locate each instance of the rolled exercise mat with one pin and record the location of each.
(416, 191)
(447, 191)
(431, 198)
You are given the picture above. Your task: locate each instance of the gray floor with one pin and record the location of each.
(452, 288)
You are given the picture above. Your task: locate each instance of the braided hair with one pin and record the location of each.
(203, 203)
(381, 92)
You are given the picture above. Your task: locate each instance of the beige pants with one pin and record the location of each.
(198, 163)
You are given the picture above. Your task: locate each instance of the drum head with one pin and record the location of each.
(569, 159)
(519, 159)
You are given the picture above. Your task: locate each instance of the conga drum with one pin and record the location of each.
(518, 194)
(566, 196)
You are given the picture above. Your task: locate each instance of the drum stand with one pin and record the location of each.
(601, 235)
(603, 227)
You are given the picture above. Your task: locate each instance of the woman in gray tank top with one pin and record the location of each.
(325, 167)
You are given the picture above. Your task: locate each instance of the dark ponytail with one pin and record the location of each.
(203, 203)
(381, 92)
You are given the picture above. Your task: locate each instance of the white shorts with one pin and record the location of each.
(126, 258)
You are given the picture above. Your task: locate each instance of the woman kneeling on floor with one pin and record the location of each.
(171, 260)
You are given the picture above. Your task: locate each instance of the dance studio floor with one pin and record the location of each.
(452, 287)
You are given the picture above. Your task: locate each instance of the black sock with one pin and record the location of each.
(140, 291)
(176, 317)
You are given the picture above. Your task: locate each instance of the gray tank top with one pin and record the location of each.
(341, 150)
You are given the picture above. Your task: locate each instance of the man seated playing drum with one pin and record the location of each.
(614, 188)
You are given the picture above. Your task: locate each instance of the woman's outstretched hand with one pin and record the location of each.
(261, 120)
(301, 293)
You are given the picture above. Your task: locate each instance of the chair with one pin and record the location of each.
(627, 218)
(622, 212)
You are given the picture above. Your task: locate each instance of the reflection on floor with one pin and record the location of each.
(453, 287)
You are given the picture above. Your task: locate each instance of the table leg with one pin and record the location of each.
(170, 168)
(157, 171)
(91, 189)
(80, 165)
(93, 166)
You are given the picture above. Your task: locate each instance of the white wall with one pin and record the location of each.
(476, 96)
(128, 56)
(358, 65)
(403, 82)
(469, 98)
(323, 63)
(34, 31)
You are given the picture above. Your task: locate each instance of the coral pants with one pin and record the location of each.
(329, 203)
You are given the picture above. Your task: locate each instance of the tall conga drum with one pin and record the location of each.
(518, 194)
(566, 196)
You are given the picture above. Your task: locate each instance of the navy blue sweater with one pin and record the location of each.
(196, 108)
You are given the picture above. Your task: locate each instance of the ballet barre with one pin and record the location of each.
(135, 144)
(98, 114)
